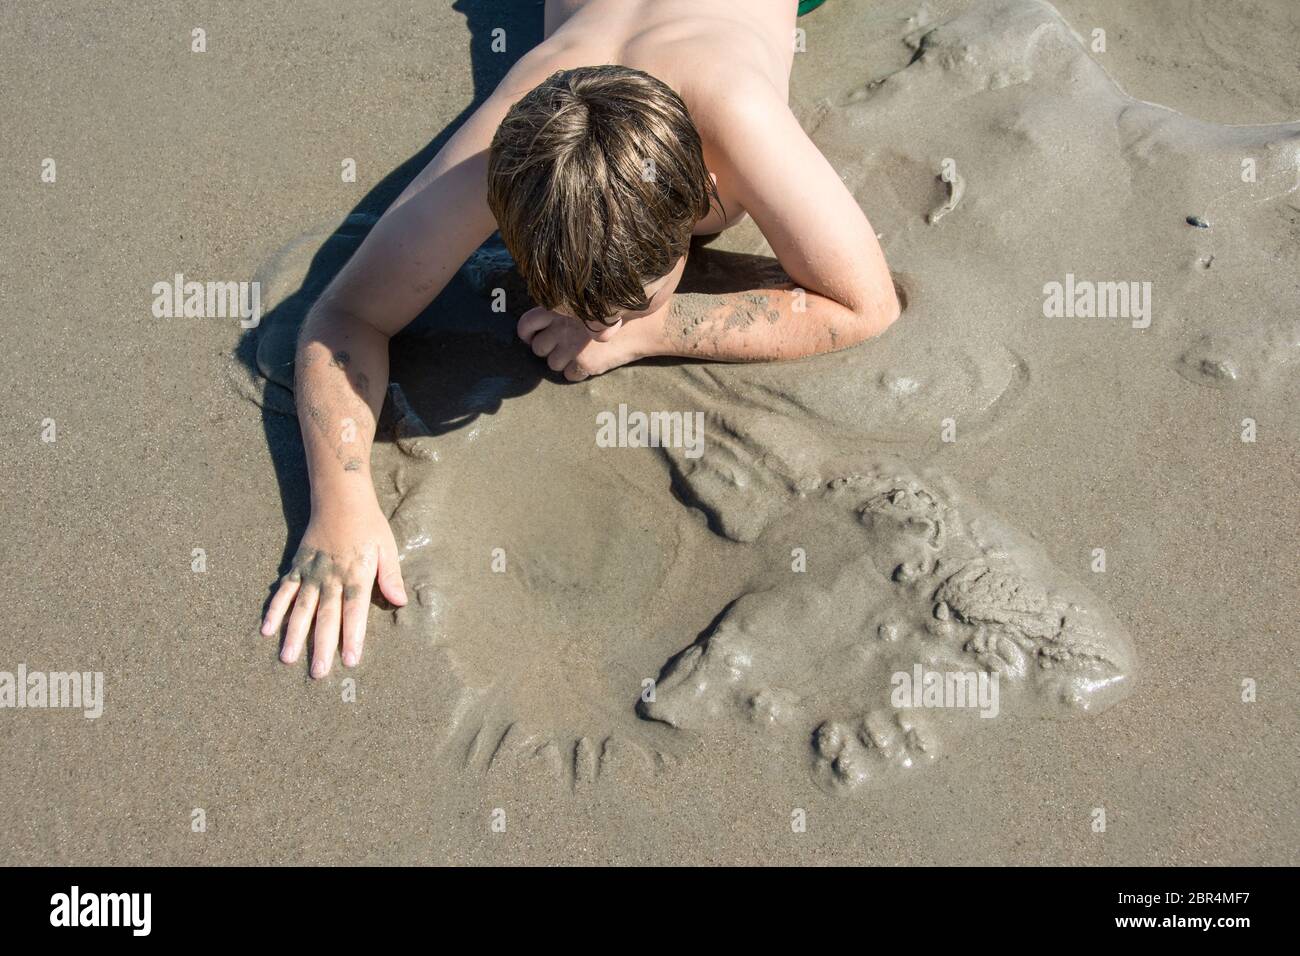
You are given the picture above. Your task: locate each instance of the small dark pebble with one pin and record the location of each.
(1198, 222)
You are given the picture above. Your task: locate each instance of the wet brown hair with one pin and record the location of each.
(597, 178)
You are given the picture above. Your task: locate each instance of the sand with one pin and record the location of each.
(936, 499)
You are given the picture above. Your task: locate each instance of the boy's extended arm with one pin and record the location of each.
(341, 377)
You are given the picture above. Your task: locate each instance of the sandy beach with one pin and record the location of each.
(1074, 462)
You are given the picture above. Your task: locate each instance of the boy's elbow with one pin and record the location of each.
(875, 313)
(326, 317)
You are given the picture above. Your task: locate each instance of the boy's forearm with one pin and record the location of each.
(340, 377)
(767, 325)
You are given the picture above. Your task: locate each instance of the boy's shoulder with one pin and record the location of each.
(738, 100)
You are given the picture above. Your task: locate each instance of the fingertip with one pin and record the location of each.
(527, 325)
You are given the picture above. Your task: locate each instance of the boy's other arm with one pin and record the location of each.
(842, 290)
(340, 380)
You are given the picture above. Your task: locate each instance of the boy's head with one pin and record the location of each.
(596, 179)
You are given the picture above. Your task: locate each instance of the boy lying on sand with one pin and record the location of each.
(634, 126)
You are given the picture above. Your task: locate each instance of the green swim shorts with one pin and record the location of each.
(808, 6)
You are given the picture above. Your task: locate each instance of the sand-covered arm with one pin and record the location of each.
(760, 325)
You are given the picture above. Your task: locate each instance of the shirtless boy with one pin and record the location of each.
(633, 126)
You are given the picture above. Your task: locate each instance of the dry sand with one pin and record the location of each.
(516, 691)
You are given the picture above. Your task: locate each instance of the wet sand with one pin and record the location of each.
(516, 692)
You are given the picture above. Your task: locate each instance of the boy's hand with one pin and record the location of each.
(331, 579)
(570, 347)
